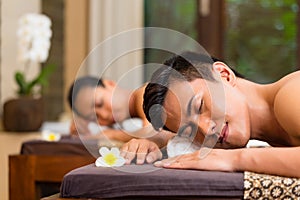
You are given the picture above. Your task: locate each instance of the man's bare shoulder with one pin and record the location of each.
(288, 87)
(295, 76)
(286, 104)
(138, 96)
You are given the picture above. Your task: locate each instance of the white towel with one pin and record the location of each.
(180, 145)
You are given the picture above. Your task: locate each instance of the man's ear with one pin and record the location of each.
(225, 72)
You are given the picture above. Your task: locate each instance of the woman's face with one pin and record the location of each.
(95, 104)
(208, 111)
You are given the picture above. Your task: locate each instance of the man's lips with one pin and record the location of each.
(224, 133)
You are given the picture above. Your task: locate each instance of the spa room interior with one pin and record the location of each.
(46, 45)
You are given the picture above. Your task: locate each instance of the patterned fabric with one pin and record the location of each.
(262, 186)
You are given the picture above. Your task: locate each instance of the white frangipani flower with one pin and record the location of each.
(50, 136)
(109, 158)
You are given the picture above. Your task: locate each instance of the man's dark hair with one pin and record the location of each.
(187, 66)
(78, 84)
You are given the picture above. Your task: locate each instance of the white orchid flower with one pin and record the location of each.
(109, 158)
(34, 35)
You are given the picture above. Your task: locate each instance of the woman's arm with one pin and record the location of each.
(79, 126)
(116, 134)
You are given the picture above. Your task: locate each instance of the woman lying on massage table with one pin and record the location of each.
(104, 102)
(206, 102)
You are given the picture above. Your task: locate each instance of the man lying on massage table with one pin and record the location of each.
(207, 103)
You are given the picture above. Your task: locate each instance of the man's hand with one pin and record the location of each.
(212, 159)
(142, 149)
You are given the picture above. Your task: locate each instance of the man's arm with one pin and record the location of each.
(273, 160)
(287, 109)
(270, 160)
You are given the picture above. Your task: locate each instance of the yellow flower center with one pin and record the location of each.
(110, 159)
(51, 137)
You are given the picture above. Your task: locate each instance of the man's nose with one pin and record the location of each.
(206, 125)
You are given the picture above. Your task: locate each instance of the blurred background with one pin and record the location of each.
(257, 37)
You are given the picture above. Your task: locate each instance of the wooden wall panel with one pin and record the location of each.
(76, 37)
(53, 93)
(211, 21)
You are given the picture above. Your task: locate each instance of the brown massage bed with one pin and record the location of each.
(39, 168)
(149, 182)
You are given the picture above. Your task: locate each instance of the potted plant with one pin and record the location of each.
(25, 113)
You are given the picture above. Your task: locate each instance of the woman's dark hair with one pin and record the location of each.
(187, 66)
(80, 83)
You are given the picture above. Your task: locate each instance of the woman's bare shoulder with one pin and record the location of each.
(286, 104)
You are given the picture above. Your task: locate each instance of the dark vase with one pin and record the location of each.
(23, 114)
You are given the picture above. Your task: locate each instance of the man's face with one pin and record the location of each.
(203, 110)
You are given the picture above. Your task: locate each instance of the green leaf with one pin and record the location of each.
(43, 76)
(23, 85)
(26, 87)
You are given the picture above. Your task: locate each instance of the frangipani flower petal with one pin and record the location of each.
(120, 162)
(115, 151)
(100, 162)
(103, 151)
